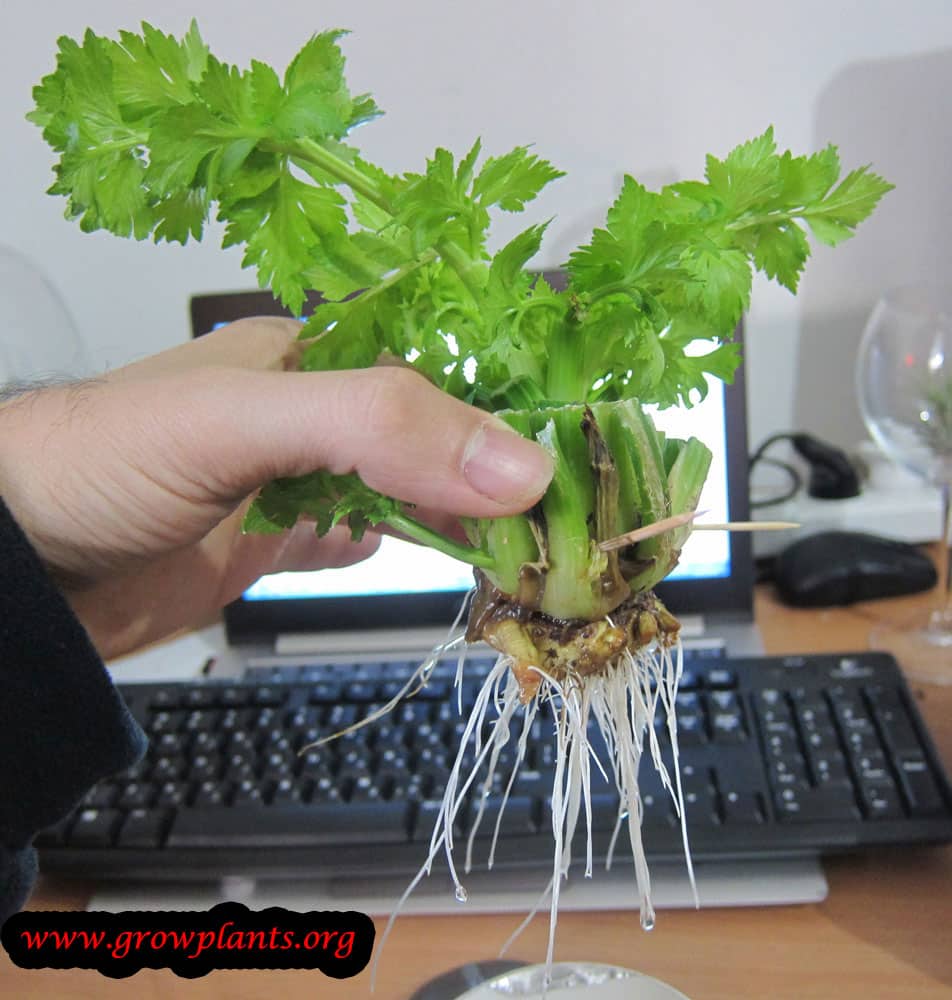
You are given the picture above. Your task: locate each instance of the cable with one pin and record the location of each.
(796, 480)
(833, 476)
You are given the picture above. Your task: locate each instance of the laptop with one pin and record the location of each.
(402, 600)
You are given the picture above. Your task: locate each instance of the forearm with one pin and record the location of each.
(63, 726)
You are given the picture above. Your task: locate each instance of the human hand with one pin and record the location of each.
(132, 486)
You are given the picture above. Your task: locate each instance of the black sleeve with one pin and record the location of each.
(63, 726)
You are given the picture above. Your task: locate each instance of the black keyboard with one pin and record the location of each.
(779, 757)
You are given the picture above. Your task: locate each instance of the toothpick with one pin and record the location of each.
(678, 520)
(649, 530)
(747, 526)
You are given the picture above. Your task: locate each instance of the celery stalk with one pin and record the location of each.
(549, 557)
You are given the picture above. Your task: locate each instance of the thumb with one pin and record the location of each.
(398, 432)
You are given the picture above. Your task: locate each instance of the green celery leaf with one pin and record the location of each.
(180, 216)
(807, 179)
(280, 228)
(684, 374)
(345, 263)
(719, 285)
(780, 252)
(322, 496)
(633, 239)
(345, 335)
(228, 93)
(749, 175)
(181, 139)
(153, 70)
(848, 204)
(507, 268)
(511, 180)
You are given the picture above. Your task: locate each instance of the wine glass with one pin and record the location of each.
(38, 338)
(904, 384)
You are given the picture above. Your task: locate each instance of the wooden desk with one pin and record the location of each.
(885, 931)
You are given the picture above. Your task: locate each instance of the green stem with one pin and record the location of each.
(464, 266)
(427, 536)
(314, 152)
(764, 218)
(566, 378)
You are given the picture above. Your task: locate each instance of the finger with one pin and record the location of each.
(186, 588)
(399, 433)
(261, 343)
(305, 550)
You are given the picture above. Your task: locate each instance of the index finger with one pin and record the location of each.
(261, 343)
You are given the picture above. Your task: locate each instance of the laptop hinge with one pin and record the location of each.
(692, 626)
(360, 642)
(405, 640)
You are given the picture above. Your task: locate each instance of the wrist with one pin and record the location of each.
(30, 416)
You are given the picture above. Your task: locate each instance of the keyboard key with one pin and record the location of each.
(165, 722)
(782, 744)
(897, 730)
(434, 690)
(95, 828)
(919, 787)
(172, 793)
(742, 807)
(269, 695)
(251, 792)
(205, 766)
(101, 796)
(520, 816)
(210, 793)
(202, 720)
(235, 697)
(721, 677)
(144, 828)
(325, 693)
(728, 727)
(166, 698)
(657, 812)
(881, 799)
(201, 697)
(691, 730)
(318, 825)
(787, 771)
(828, 768)
(205, 742)
(800, 803)
(360, 691)
(135, 796)
(689, 680)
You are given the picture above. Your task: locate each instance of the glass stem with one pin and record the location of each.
(944, 561)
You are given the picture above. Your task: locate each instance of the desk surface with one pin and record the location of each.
(883, 932)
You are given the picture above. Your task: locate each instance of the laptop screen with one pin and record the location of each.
(406, 584)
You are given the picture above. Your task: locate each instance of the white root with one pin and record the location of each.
(622, 702)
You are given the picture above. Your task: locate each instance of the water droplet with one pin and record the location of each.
(647, 921)
(461, 894)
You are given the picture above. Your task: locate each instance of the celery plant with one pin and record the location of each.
(154, 135)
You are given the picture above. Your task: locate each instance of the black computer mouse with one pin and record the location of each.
(842, 567)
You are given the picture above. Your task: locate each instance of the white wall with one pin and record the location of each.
(601, 87)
